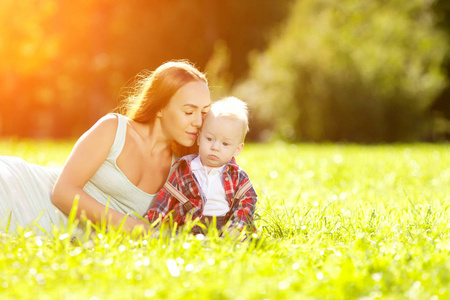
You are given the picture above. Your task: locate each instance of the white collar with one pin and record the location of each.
(196, 165)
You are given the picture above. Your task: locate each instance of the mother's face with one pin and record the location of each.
(183, 116)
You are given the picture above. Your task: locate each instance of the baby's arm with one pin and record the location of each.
(161, 208)
(243, 211)
(167, 204)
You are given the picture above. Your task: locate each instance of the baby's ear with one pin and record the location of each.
(239, 149)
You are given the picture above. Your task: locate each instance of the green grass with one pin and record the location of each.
(334, 222)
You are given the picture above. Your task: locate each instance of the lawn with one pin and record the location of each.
(334, 222)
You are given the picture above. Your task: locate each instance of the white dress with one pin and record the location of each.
(25, 189)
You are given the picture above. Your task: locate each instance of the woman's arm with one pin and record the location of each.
(88, 154)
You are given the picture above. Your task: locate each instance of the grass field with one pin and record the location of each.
(334, 222)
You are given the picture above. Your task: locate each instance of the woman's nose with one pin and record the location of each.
(197, 122)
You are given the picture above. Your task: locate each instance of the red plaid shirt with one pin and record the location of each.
(185, 181)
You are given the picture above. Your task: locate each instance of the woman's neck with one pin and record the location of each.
(152, 136)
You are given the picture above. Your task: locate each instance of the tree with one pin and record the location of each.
(363, 71)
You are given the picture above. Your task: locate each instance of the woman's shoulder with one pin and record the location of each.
(110, 119)
(105, 128)
(108, 122)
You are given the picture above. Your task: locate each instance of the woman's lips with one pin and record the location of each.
(192, 135)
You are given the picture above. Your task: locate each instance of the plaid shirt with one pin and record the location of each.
(184, 180)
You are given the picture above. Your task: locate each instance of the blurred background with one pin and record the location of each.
(311, 70)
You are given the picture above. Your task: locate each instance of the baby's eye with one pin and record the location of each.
(225, 144)
(209, 139)
(188, 113)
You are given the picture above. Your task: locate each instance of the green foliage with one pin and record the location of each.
(349, 70)
(46, 153)
(334, 222)
(217, 71)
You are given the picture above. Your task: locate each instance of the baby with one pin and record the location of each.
(211, 184)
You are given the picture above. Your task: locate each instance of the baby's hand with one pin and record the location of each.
(236, 233)
(233, 231)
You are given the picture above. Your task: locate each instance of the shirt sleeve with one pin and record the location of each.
(166, 204)
(244, 209)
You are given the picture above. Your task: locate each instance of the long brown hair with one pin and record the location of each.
(153, 91)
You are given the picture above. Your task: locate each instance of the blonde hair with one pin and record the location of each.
(233, 108)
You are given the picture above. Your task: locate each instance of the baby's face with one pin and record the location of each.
(220, 139)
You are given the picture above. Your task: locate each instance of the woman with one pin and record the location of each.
(122, 161)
